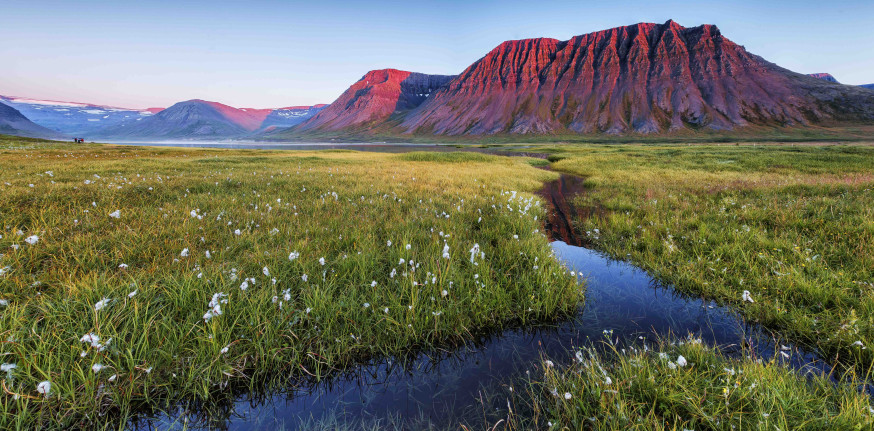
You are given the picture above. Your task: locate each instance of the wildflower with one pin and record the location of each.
(549, 364)
(567, 395)
(244, 285)
(97, 367)
(858, 343)
(91, 338)
(388, 243)
(444, 293)
(401, 261)
(366, 305)
(44, 387)
(304, 278)
(123, 266)
(265, 271)
(373, 283)
(193, 213)
(237, 232)
(385, 310)
(294, 255)
(33, 239)
(113, 377)
(474, 251)
(101, 304)
(681, 361)
(7, 368)
(322, 261)
(446, 251)
(114, 214)
(746, 296)
(308, 310)
(184, 252)
(208, 255)
(224, 350)
(132, 294)
(408, 247)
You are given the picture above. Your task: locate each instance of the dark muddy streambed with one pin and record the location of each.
(470, 385)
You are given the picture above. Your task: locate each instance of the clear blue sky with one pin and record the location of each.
(275, 53)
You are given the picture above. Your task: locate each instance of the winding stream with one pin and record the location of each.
(623, 305)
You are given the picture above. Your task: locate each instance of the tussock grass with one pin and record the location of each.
(397, 274)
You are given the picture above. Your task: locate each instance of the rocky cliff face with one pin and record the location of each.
(642, 78)
(374, 99)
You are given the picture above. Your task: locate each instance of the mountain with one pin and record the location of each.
(73, 118)
(870, 86)
(375, 99)
(643, 78)
(13, 122)
(289, 116)
(201, 119)
(824, 76)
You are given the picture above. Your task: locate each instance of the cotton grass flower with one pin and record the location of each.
(681, 361)
(102, 304)
(97, 367)
(33, 239)
(265, 271)
(746, 297)
(44, 387)
(293, 255)
(115, 214)
(184, 252)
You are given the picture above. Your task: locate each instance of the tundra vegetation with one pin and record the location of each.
(138, 278)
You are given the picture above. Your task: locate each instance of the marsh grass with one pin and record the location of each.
(794, 226)
(686, 385)
(144, 279)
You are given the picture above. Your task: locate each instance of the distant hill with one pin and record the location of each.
(187, 120)
(870, 86)
(73, 118)
(823, 76)
(289, 116)
(201, 119)
(13, 122)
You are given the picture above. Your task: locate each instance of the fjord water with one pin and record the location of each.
(471, 385)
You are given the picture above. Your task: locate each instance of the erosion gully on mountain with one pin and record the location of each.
(469, 385)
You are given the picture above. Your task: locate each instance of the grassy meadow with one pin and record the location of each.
(137, 277)
(793, 226)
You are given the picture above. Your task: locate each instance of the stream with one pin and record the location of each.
(470, 385)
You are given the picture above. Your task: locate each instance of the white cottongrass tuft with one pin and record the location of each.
(102, 304)
(33, 239)
(44, 387)
(115, 214)
(746, 296)
(184, 252)
(97, 367)
(681, 361)
(293, 255)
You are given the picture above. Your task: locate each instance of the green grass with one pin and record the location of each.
(794, 226)
(368, 299)
(641, 389)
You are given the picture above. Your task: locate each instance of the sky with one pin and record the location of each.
(268, 54)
